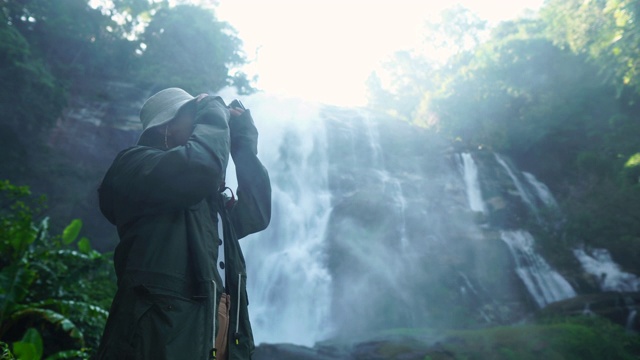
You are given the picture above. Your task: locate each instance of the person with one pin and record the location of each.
(165, 196)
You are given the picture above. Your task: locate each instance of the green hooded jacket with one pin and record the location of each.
(165, 205)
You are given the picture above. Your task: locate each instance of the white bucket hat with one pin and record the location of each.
(162, 107)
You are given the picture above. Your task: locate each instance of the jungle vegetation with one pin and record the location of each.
(55, 289)
(559, 92)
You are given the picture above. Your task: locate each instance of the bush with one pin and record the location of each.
(54, 290)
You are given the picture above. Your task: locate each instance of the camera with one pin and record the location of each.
(236, 104)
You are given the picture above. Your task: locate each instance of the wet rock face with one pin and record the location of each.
(66, 162)
(91, 131)
(401, 233)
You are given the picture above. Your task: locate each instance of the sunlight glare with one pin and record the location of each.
(324, 50)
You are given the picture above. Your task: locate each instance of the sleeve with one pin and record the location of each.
(252, 212)
(184, 175)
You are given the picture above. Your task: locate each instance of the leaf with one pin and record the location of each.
(30, 347)
(84, 245)
(71, 255)
(25, 351)
(15, 281)
(51, 317)
(71, 232)
(43, 229)
(5, 353)
(69, 354)
(79, 308)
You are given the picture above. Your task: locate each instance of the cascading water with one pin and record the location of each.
(598, 262)
(542, 191)
(373, 229)
(544, 284)
(391, 185)
(470, 172)
(522, 191)
(288, 282)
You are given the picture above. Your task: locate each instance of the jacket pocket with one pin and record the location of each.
(172, 327)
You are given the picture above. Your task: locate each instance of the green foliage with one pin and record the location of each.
(30, 347)
(5, 353)
(570, 339)
(516, 95)
(59, 292)
(48, 48)
(30, 96)
(414, 79)
(605, 30)
(73, 38)
(71, 232)
(411, 77)
(186, 46)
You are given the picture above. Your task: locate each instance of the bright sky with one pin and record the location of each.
(325, 50)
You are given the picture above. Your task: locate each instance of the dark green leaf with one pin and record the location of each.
(52, 317)
(14, 286)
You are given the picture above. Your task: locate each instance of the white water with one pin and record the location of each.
(544, 283)
(524, 194)
(472, 184)
(542, 190)
(288, 283)
(391, 185)
(598, 262)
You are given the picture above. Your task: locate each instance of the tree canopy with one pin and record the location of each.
(46, 47)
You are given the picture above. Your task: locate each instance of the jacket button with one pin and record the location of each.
(221, 264)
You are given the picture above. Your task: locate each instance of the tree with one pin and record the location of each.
(605, 30)
(186, 46)
(30, 96)
(71, 37)
(413, 77)
(410, 78)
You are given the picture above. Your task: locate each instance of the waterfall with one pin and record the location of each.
(543, 283)
(631, 319)
(522, 191)
(542, 190)
(610, 277)
(288, 282)
(470, 172)
(371, 231)
(390, 184)
(533, 192)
